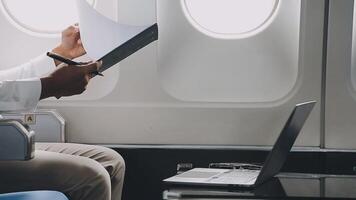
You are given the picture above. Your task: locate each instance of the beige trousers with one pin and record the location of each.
(82, 172)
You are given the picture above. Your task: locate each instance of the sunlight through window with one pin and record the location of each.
(41, 16)
(230, 18)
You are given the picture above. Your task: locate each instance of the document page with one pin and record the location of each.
(101, 35)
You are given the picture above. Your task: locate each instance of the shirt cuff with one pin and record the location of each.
(20, 95)
(42, 65)
(32, 89)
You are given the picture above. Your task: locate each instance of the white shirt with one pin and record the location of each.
(20, 87)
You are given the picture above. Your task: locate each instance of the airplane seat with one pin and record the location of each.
(17, 143)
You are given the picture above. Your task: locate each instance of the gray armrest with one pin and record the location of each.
(16, 141)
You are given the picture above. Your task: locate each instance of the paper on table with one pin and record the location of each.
(101, 35)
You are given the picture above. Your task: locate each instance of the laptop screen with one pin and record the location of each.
(285, 141)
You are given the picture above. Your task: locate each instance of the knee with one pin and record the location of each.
(114, 162)
(78, 177)
(85, 170)
(91, 180)
(93, 169)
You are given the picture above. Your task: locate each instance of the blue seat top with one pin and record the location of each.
(35, 195)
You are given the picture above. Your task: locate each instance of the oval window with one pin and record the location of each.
(41, 16)
(230, 18)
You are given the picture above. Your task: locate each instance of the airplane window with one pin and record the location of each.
(241, 51)
(41, 16)
(46, 19)
(230, 18)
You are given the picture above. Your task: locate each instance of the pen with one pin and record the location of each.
(68, 61)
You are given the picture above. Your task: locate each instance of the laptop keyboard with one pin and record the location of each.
(195, 174)
(236, 176)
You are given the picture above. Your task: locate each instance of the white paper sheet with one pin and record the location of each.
(101, 35)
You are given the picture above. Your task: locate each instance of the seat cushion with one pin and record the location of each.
(35, 195)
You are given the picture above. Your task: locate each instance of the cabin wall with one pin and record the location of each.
(140, 111)
(140, 102)
(340, 77)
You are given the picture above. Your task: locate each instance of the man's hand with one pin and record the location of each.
(71, 46)
(68, 80)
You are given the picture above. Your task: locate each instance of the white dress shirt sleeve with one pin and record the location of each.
(20, 87)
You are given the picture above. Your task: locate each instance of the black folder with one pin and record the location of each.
(129, 47)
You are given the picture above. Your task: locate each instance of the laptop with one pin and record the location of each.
(251, 177)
